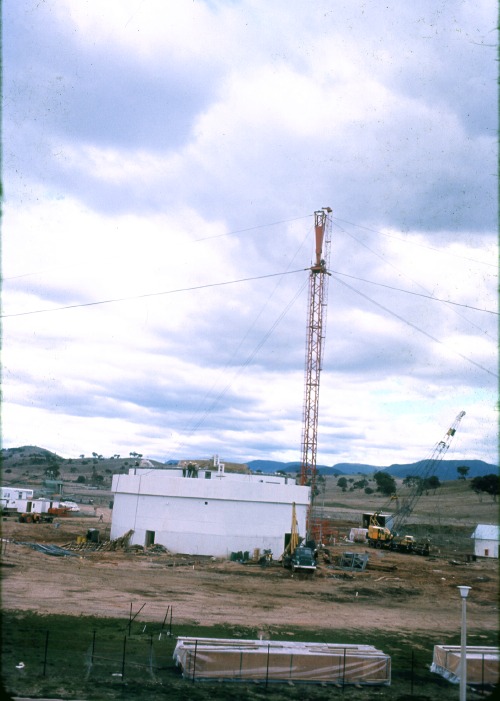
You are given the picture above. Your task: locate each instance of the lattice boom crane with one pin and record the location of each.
(316, 324)
(427, 470)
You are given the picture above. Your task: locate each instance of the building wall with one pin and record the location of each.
(485, 548)
(227, 513)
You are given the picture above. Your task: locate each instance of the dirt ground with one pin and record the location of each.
(396, 591)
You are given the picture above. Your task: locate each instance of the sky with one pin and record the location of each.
(162, 163)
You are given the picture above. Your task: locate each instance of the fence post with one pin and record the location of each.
(123, 658)
(343, 671)
(151, 653)
(194, 661)
(46, 652)
(412, 670)
(267, 665)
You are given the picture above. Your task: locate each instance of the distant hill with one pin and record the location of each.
(271, 466)
(446, 470)
(32, 459)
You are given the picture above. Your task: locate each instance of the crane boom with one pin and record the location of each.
(316, 323)
(426, 471)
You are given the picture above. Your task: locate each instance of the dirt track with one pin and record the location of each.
(396, 591)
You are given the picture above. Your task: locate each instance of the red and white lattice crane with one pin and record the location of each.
(315, 341)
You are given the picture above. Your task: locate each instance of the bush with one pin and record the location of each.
(81, 479)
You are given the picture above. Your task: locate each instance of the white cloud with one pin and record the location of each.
(158, 147)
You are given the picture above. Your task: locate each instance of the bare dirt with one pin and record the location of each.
(397, 591)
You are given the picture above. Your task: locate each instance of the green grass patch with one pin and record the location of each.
(71, 657)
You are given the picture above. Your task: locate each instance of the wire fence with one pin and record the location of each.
(130, 651)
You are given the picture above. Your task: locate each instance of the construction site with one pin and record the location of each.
(264, 560)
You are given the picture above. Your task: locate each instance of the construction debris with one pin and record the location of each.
(353, 561)
(91, 544)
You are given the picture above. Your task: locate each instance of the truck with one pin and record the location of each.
(298, 555)
(302, 559)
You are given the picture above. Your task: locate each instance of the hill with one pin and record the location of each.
(32, 462)
(446, 470)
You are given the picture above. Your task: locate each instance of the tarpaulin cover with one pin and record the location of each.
(263, 660)
(482, 663)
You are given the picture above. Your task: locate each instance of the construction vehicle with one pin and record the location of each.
(43, 516)
(302, 560)
(34, 517)
(380, 535)
(383, 537)
(298, 557)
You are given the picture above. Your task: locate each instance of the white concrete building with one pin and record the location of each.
(486, 539)
(207, 512)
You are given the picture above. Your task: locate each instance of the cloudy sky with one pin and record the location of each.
(162, 161)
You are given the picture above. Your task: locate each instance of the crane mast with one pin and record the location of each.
(315, 337)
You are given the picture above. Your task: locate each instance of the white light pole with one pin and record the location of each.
(464, 592)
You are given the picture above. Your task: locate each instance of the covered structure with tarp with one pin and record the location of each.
(204, 659)
(482, 663)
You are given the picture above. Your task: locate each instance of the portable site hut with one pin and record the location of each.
(486, 539)
(207, 512)
(237, 660)
(11, 495)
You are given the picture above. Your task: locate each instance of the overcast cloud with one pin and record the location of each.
(154, 151)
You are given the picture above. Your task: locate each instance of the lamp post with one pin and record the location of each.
(464, 592)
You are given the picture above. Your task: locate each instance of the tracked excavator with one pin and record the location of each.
(380, 535)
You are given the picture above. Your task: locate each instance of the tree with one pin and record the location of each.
(410, 480)
(462, 471)
(432, 482)
(342, 483)
(81, 479)
(486, 483)
(386, 484)
(52, 471)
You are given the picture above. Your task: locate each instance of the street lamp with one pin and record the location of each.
(464, 592)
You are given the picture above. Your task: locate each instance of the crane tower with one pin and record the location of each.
(316, 324)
